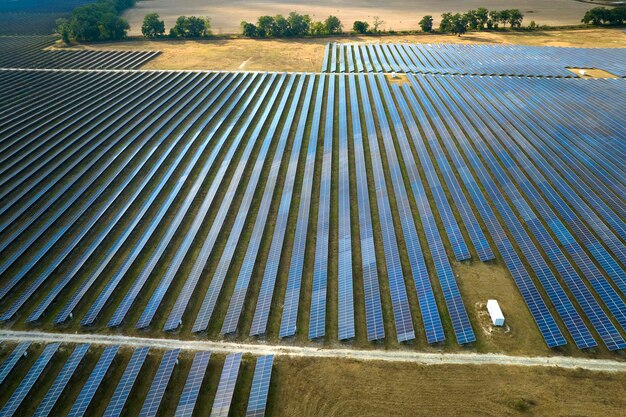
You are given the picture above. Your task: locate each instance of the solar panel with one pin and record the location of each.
(257, 401)
(245, 272)
(159, 383)
(226, 387)
(399, 299)
(264, 301)
(122, 391)
(61, 381)
(292, 292)
(369, 269)
(345, 301)
(452, 296)
(175, 318)
(29, 380)
(317, 317)
(212, 294)
(14, 357)
(188, 398)
(91, 386)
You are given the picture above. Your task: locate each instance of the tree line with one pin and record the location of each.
(293, 26)
(599, 16)
(185, 27)
(97, 21)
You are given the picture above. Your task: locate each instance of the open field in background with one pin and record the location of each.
(332, 387)
(308, 54)
(398, 14)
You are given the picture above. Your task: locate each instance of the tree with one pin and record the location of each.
(515, 17)
(63, 29)
(318, 29)
(482, 15)
(249, 30)
(505, 17)
(459, 24)
(333, 25)
(360, 27)
(378, 22)
(445, 25)
(618, 15)
(494, 19)
(152, 26)
(281, 27)
(597, 16)
(426, 24)
(472, 19)
(190, 27)
(299, 25)
(265, 26)
(113, 27)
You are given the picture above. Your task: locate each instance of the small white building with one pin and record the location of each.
(497, 318)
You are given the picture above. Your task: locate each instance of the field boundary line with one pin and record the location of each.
(423, 358)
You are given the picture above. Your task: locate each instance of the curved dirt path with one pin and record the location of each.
(601, 365)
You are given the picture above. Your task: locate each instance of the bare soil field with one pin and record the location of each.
(398, 14)
(312, 387)
(308, 54)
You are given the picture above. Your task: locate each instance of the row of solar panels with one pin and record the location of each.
(209, 132)
(256, 406)
(471, 59)
(30, 52)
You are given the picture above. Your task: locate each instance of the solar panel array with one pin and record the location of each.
(30, 52)
(226, 387)
(186, 402)
(257, 401)
(249, 178)
(10, 362)
(471, 59)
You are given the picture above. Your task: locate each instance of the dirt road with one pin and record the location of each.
(297, 351)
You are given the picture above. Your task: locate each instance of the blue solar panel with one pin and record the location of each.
(292, 292)
(473, 228)
(206, 311)
(176, 261)
(326, 55)
(264, 301)
(14, 357)
(317, 317)
(175, 318)
(189, 396)
(226, 387)
(61, 381)
(345, 298)
(257, 402)
(369, 270)
(399, 298)
(245, 272)
(159, 384)
(91, 386)
(452, 296)
(122, 391)
(29, 380)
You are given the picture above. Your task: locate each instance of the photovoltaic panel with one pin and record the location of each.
(10, 408)
(9, 363)
(369, 269)
(245, 272)
(91, 386)
(175, 318)
(122, 391)
(226, 387)
(257, 402)
(61, 381)
(159, 384)
(317, 314)
(292, 292)
(345, 299)
(188, 398)
(264, 301)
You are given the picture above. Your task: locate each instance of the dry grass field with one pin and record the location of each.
(397, 14)
(308, 54)
(307, 387)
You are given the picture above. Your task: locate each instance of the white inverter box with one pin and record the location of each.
(497, 318)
